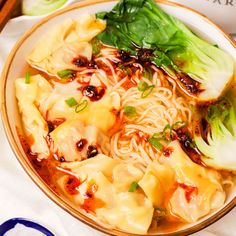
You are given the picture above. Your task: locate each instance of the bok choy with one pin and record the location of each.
(217, 140)
(41, 7)
(142, 29)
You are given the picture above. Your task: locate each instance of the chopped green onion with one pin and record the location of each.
(167, 127)
(96, 46)
(157, 135)
(179, 124)
(156, 143)
(27, 78)
(65, 74)
(71, 102)
(142, 86)
(126, 69)
(81, 106)
(147, 73)
(133, 186)
(147, 91)
(130, 111)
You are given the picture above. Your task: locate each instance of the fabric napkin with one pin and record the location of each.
(20, 197)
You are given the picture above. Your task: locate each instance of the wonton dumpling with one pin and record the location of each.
(99, 114)
(124, 174)
(100, 163)
(66, 136)
(56, 50)
(128, 211)
(195, 190)
(132, 212)
(35, 127)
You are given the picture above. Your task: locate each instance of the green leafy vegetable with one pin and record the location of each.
(133, 187)
(156, 142)
(142, 86)
(219, 144)
(81, 106)
(130, 111)
(41, 7)
(27, 78)
(65, 74)
(145, 31)
(146, 92)
(71, 102)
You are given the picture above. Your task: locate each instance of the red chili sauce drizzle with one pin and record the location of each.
(81, 144)
(192, 86)
(92, 151)
(142, 136)
(184, 137)
(145, 56)
(190, 191)
(81, 61)
(91, 203)
(46, 168)
(71, 185)
(167, 151)
(93, 93)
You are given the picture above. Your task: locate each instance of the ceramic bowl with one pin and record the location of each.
(16, 62)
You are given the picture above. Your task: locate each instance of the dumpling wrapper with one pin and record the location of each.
(65, 137)
(100, 114)
(56, 50)
(166, 181)
(35, 127)
(131, 212)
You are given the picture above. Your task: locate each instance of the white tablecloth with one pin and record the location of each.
(20, 197)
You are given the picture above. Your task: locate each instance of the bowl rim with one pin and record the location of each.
(32, 172)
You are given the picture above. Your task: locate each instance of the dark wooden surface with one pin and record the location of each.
(6, 10)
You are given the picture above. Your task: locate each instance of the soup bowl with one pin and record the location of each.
(14, 68)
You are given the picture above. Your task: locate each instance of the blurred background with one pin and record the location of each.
(222, 12)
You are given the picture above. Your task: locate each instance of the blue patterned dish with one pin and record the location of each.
(10, 224)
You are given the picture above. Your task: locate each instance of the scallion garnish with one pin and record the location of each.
(27, 78)
(81, 106)
(179, 125)
(165, 136)
(71, 102)
(156, 142)
(147, 73)
(96, 46)
(125, 69)
(147, 91)
(130, 111)
(133, 186)
(142, 86)
(66, 74)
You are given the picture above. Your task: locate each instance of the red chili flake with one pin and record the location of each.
(92, 151)
(142, 136)
(91, 204)
(81, 144)
(189, 191)
(81, 61)
(71, 184)
(93, 93)
(167, 151)
(50, 126)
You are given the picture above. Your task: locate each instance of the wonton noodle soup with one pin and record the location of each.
(117, 134)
